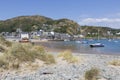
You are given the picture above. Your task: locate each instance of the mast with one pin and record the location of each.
(98, 35)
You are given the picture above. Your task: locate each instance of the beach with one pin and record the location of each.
(72, 71)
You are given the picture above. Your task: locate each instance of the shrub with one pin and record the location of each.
(67, 55)
(91, 74)
(115, 62)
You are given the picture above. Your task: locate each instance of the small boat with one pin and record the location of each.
(66, 40)
(97, 45)
(25, 40)
(78, 41)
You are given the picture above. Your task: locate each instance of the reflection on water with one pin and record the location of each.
(111, 47)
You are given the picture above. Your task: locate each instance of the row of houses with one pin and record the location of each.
(37, 35)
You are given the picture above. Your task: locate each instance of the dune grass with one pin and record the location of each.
(92, 74)
(115, 62)
(19, 53)
(3, 63)
(4, 42)
(68, 56)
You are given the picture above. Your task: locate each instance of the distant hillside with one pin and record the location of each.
(36, 22)
(92, 31)
(30, 23)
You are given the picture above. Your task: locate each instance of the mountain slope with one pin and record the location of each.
(30, 23)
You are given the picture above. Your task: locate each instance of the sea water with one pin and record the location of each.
(110, 46)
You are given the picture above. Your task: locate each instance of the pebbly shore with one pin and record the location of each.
(73, 71)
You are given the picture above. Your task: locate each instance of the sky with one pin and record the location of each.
(85, 12)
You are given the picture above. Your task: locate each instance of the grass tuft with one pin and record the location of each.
(3, 63)
(67, 55)
(115, 62)
(4, 42)
(49, 59)
(91, 74)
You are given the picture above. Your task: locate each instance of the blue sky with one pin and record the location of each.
(85, 12)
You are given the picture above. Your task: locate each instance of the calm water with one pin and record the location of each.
(111, 47)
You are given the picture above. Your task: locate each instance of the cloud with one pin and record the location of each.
(110, 22)
(94, 20)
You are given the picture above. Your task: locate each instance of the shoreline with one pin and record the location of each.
(39, 42)
(57, 51)
(54, 48)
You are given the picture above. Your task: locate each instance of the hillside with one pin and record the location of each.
(36, 22)
(92, 31)
(30, 23)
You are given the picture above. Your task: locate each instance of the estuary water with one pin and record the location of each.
(111, 46)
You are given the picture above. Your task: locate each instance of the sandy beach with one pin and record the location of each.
(72, 71)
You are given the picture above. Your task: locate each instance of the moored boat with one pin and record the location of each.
(24, 40)
(97, 45)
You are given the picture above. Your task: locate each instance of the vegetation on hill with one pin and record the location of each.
(92, 31)
(31, 23)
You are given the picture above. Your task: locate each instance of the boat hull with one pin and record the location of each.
(97, 45)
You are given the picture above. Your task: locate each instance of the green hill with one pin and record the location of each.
(30, 23)
(36, 22)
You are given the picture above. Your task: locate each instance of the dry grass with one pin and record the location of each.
(49, 59)
(91, 74)
(3, 63)
(67, 55)
(27, 52)
(4, 42)
(18, 54)
(115, 63)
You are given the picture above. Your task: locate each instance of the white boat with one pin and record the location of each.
(66, 40)
(82, 42)
(97, 45)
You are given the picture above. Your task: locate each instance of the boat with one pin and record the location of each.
(82, 42)
(78, 41)
(66, 40)
(24, 40)
(97, 45)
